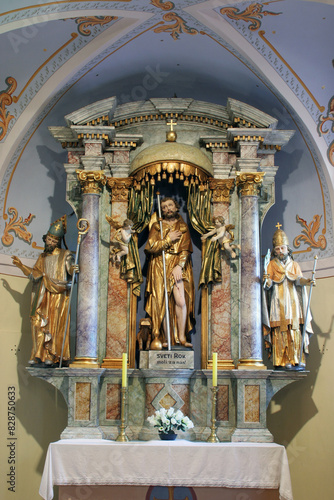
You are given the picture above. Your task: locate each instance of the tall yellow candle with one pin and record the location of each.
(124, 370)
(214, 369)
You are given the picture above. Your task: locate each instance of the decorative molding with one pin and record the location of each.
(252, 14)
(309, 232)
(221, 189)
(325, 119)
(179, 26)
(91, 182)
(18, 226)
(84, 22)
(163, 5)
(6, 99)
(249, 183)
(120, 188)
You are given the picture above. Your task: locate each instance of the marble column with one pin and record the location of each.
(221, 292)
(250, 307)
(87, 311)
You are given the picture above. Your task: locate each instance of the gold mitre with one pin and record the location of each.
(280, 238)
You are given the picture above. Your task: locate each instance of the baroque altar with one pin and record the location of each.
(219, 162)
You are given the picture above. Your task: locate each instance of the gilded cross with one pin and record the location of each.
(171, 123)
(278, 225)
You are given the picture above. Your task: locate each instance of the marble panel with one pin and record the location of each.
(232, 158)
(151, 391)
(219, 158)
(198, 401)
(221, 302)
(183, 391)
(82, 401)
(117, 315)
(113, 401)
(267, 160)
(121, 157)
(93, 148)
(248, 150)
(73, 157)
(252, 403)
(223, 403)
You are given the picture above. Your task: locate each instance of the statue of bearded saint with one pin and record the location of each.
(50, 277)
(177, 246)
(284, 304)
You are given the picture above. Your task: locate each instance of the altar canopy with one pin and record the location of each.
(178, 463)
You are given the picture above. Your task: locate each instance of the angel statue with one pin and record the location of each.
(119, 245)
(224, 234)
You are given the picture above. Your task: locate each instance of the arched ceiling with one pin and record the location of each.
(58, 56)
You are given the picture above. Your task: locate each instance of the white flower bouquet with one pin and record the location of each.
(169, 421)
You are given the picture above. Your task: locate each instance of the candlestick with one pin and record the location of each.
(124, 370)
(214, 369)
(122, 436)
(213, 438)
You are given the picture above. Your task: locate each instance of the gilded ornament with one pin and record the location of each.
(249, 183)
(6, 100)
(163, 5)
(18, 226)
(120, 188)
(309, 232)
(221, 189)
(252, 14)
(85, 22)
(329, 120)
(91, 181)
(177, 28)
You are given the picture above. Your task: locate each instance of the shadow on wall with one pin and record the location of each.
(40, 408)
(296, 406)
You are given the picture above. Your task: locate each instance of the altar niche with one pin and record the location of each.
(220, 166)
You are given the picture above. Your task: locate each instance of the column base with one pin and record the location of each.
(251, 364)
(85, 363)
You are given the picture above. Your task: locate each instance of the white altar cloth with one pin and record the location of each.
(166, 463)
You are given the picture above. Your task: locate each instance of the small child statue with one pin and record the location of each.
(224, 234)
(119, 245)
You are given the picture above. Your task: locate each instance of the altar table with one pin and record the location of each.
(166, 463)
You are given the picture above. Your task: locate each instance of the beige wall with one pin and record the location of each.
(300, 416)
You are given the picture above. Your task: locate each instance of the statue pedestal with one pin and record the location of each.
(166, 360)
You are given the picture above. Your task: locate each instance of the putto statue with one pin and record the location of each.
(224, 234)
(119, 245)
(176, 243)
(284, 306)
(50, 297)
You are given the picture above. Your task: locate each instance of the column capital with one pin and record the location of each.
(120, 188)
(221, 189)
(91, 182)
(249, 183)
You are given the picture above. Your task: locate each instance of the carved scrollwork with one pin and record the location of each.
(18, 226)
(6, 100)
(120, 188)
(91, 182)
(84, 23)
(249, 183)
(308, 235)
(252, 14)
(179, 26)
(221, 189)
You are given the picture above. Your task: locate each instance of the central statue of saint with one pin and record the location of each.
(177, 245)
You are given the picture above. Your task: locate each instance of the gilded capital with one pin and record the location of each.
(249, 183)
(221, 189)
(120, 188)
(91, 181)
